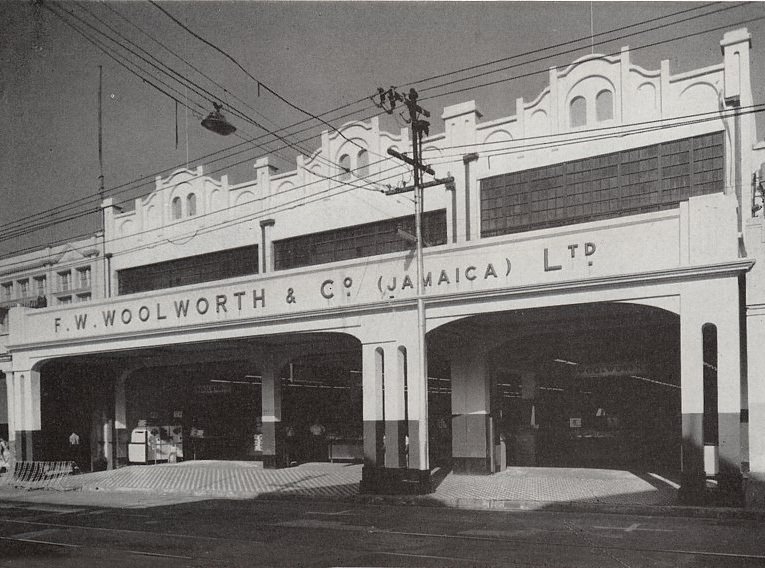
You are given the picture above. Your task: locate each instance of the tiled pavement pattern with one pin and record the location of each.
(226, 479)
(560, 485)
(532, 486)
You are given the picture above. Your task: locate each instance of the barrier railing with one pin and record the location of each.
(51, 475)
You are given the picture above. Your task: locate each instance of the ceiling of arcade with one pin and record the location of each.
(555, 342)
(562, 342)
(332, 350)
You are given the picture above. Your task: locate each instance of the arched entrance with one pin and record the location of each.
(227, 399)
(76, 411)
(591, 385)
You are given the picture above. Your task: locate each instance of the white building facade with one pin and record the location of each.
(59, 275)
(593, 293)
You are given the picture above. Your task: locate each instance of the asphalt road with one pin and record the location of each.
(311, 533)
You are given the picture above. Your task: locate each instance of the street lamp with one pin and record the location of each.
(216, 122)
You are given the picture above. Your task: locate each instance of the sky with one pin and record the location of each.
(318, 56)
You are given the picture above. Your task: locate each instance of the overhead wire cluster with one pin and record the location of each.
(393, 171)
(92, 26)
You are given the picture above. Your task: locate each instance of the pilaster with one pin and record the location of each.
(472, 439)
(274, 454)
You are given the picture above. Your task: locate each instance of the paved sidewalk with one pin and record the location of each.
(517, 488)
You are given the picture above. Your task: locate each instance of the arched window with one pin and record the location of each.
(379, 370)
(604, 105)
(362, 164)
(578, 112)
(191, 204)
(709, 362)
(177, 212)
(345, 167)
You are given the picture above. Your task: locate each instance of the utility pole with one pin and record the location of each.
(105, 275)
(420, 127)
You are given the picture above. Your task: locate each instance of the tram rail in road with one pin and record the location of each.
(273, 533)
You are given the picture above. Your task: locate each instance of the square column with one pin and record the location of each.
(274, 454)
(525, 440)
(26, 412)
(13, 417)
(755, 485)
(121, 433)
(396, 428)
(417, 409)
(712, 306)
(729, 399)
(692, 407)
(395, 425)
(472, 436)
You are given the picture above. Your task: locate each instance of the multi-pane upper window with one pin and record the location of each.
(357, 241)
(208, 267)
(65, 281)
(3, 320)
(83, 277)
(638, 180)
(83, 297)
(7, 290)
(64, 300)
(41, 285)
(23, 288)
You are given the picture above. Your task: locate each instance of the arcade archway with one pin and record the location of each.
(593, 385)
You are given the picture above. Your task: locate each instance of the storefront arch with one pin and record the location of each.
(549, 381)
(102, 397)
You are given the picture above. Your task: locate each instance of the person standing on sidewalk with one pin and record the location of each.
(318, 442)
(4, 456)
(74, 449)
(291, 445)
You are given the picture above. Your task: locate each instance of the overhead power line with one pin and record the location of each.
(200, 91)
(257, 81)
(150, 177)
(538, 72)
(128, 186)
(652, 126)
(584, 38)
(143, 32)
(297, 202)
(561, 139)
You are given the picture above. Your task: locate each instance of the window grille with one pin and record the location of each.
(64, 281)
(639, 180)
(191, 270)
(84, 276)
(357, 241)
(41, 285)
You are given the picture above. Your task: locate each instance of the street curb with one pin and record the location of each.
(720, 513)
(564, 507)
